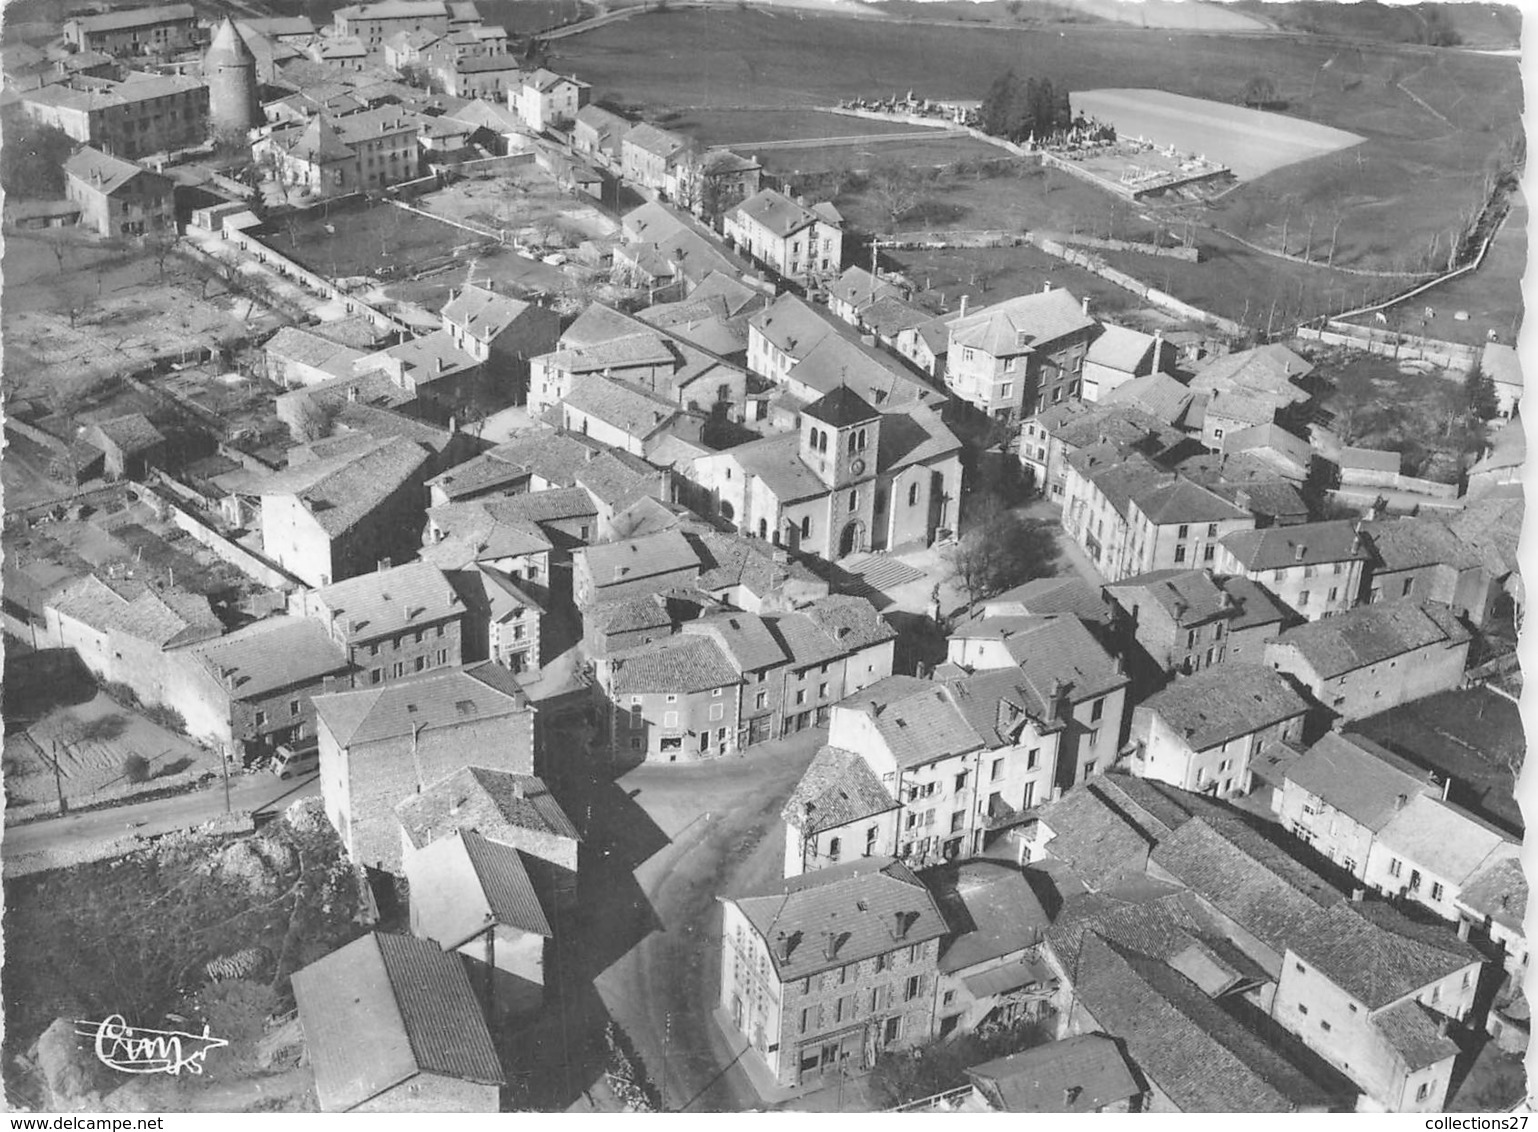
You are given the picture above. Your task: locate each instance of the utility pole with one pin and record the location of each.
(224, 762)
(58, 779)
(416, 762)
(667, 1038)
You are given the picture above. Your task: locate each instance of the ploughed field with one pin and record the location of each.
(1250, 142)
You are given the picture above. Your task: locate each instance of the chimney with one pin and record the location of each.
(1357, 894)
(1047, 286)
(443, 364)
(963, 313)
(1298, 552)
(454, 806)
(352, 392)
(518, 791)
(1084, 304)
(1447, 787)
(1225, 599)
(830, 945)
(782, 946)
(1463, 929)
(899, 925)
(1401, 801)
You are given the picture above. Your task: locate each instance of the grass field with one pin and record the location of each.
(922, 153)
(738, 127)
(1433, 120)
(1476, 25)
(1471, 735)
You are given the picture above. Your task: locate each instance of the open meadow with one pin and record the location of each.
(1435, 122)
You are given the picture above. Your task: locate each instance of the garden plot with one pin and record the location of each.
(1250, 142)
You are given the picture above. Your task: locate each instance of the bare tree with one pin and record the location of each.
(896, 191)
(1335, 223)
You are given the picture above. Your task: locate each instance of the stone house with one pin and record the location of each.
(1021, 355)
(1315, 568)
(117, 197)
(143, 115)
(675, 700)
(1424, 559)
(796, 242)
(162, 30)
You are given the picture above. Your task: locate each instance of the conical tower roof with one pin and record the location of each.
(229, 47)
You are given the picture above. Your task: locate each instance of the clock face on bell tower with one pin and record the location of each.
(840, 435)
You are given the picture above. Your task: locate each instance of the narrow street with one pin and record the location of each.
(692, 833)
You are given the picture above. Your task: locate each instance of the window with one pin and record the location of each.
(398, 669)
(1190, 638)
(870, 841)
(914, 987)
(1183, 532)
(1096, 710)
(761, 701)
(1409, 584)
(1302, 970)
(998, 770)
(1395, 865)
(1180, 554)
(806, 527)
(1302, 598)
(293, 707)
(822, 691)
(716, 692)
(1436, 890)
(1032, 759)
(854, 500)
(913, 495)
(1302, 1009)
(1209, 553)
(800, 695)
(835, 846)
(961, 782)
(375, 676)
(1006, 390)
(261, 719)
(1323, 1025)
(1423, 1090)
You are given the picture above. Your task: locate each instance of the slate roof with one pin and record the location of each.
(279, 652)
(992, 911)
(1119, 348)
(380, 1010)
(1184, 1043)
(681, 664)
(295, 343)
(776, 460)
(1093, 837)
(132, 433)
(463, 884)
(1242, 407)
(1359, 778)
(484, 314)
(1446, 840)
(745, 638)
(1270, 369)
(443, 700)
(1225, 702)
(836, 361)
(1369, 634)
(1021, 324)
(1054, 647)
(1411, 541)
(841, 408)
(850, 622)
(552, 506)
(1273, 437)
(658, 142)
(376, 605)
(479, 531)
(792, 325)
(915, 435)
(859, 288)
(134, 17)
(1083, 1073)
(778, 213)
(859, 902)
(1043, 596)
(1182, 501)
(1303, 544)
(342, 491)
(164, 618)
(114, 172)
(887, 317)
(838, 788)
(635, 411)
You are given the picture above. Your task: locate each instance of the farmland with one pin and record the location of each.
(1433, 121)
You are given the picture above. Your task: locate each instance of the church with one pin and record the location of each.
(848, 479)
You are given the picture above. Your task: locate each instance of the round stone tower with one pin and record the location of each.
(230, 69)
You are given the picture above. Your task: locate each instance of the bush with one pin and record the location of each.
(136, 769)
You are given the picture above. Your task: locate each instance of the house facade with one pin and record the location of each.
(1316, 569)
(118, 198)
(675, 700)
(162, 31)
(795, 241)
(1021, 355)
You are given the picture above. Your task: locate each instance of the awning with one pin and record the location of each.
(1011, 976)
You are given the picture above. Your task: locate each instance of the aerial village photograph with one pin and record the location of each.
(727, 556)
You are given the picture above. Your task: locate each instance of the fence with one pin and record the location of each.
(20, 864)
(1392, 344)
(1127, 282)
(955, 239)
(1191, 254)
(243, 559)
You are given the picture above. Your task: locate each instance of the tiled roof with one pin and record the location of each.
(1492, 526)
(925, 727)
(1502, 364)
(161, 618)
(858, 902)
(342, 491)
(1021, 324)
(739, 297)
(744, 637)
(1273, 437)
(659, 143)
(477, 692)
(1354, 775)
(1055, 647)
(1369, 634)
(729, 561)
(432, 357)
(915, 435)
(838, 788)
(859, 288)
(626, 561)
(494, 803)
(463, 884)
(1158, 394)
(552, 506)
(551, 455)
(850, 622)
(645, 348)
(1409, 542)
(1271, 369)
(1368, 459)
(479, 531)
(776, 460)
(319, 142)
(1303, 544)
(135, 17)
(131, 433)
(1182, 501)
(887, 317)
(877, 377)
(477, 474)
(1378, 956)
(387, 601)
(1416, 1034)
(1225, 702)
(295, 343)
(635, 411)
(1083, 1073)
(1121, 423)
(1093, 837)
(683, 663)
(1042, 596)
(1200, 1057)
(1500, 892)
(279, 652)
(803, 639)
(1247, 409)
(777, 212)
(384, 1008)
(1190, 597)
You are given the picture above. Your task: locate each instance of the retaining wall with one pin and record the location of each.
(247, 561)
(1189, 255)
(1388, 343)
